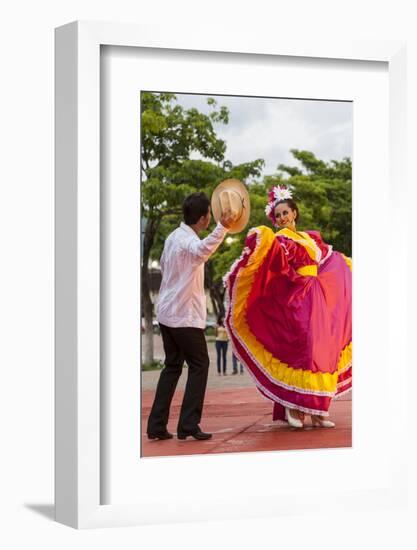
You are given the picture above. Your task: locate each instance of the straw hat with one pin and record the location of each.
(231, 194)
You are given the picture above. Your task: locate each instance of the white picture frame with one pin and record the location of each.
(78, 405)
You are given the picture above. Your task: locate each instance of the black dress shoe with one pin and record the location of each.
(161, 435)
(199, 435)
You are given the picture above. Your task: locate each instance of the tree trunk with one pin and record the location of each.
(147, 305)
(216, 291)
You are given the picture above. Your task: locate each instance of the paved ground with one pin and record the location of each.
(150, 378)
(240, 419)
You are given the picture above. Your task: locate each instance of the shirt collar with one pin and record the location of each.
(188, 229)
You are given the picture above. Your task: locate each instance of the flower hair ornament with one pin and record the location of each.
(276, 194)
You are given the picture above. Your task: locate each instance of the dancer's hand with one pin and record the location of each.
(227, 218)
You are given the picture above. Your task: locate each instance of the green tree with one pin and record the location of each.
(170, 134)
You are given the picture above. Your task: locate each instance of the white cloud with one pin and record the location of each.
(268, 128)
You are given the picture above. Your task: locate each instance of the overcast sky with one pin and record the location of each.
(268, 128)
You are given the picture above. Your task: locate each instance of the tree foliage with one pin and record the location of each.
(171, 136)
(324, 195)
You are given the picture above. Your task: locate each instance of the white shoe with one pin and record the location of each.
(292, 420)
(321, 422)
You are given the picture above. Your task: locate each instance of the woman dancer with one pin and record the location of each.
(289, 315)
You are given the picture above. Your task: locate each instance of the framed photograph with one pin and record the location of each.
(253, 373)
(344, 104)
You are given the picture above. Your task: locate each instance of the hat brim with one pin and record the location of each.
(238, 187)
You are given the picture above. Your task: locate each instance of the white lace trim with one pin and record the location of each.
(327, 256)
(344, 382)
(342, 393)
(225, 278)
(267, 395)
(291, 405)
(347, 367)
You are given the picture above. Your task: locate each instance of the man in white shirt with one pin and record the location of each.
(182, 318)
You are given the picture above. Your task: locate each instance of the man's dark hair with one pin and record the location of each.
(195, 206)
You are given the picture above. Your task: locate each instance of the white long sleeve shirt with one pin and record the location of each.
(182, 300)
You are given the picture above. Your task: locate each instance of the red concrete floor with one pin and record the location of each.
(240, 420)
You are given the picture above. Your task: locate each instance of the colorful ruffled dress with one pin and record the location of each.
(289, 317)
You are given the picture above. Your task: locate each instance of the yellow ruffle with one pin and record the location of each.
(348, 261)
(345, 360)
(307, 270)
(304, 239)
(297, 379)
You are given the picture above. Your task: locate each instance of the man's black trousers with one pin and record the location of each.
(181, 344)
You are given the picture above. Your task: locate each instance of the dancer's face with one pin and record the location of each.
(285, 216)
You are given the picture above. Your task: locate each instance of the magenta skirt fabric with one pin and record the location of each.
(293, 332)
